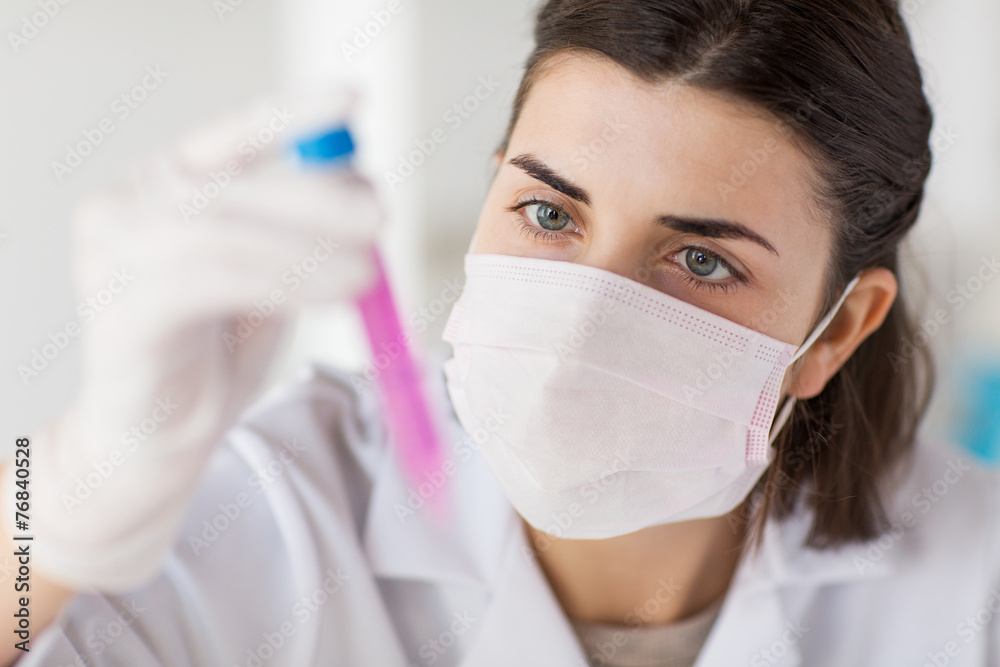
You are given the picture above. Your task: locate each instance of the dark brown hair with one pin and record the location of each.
(842, 75)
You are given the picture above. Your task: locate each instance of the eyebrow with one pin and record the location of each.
(535, 168)
(713, 228)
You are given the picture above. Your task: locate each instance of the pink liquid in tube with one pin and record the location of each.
(411, 422)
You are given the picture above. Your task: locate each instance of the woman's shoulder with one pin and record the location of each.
(912, 589)
(940, 527)
(942, 507)
(938, 500)
(948, 498)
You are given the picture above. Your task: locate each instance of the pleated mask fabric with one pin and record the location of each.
(609, 406)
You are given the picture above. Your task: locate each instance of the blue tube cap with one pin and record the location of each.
(326, 147)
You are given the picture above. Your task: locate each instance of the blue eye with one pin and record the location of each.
(548, 217)
(701, 267)
(543, 220)
(703, 264)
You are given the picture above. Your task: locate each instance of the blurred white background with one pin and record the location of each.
(63, 77)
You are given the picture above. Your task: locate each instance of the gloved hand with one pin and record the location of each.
(201, 289)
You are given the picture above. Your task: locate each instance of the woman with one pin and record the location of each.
(681, 431)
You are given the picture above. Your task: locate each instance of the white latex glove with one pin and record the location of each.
(158, 355)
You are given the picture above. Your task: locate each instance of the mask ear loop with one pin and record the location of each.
(824, 323)
(786, 408)
(779, 423)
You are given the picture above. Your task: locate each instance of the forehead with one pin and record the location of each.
(668, 148)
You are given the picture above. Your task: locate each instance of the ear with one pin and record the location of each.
(862, 312)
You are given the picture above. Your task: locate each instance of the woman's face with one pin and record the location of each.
(681, 189)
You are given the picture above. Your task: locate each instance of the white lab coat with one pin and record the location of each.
(321, 567)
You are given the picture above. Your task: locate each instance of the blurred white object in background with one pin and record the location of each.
(957, 239)
(367, 44)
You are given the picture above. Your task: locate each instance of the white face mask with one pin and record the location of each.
(610, 405)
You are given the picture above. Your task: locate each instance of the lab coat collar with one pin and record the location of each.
(524, 624)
